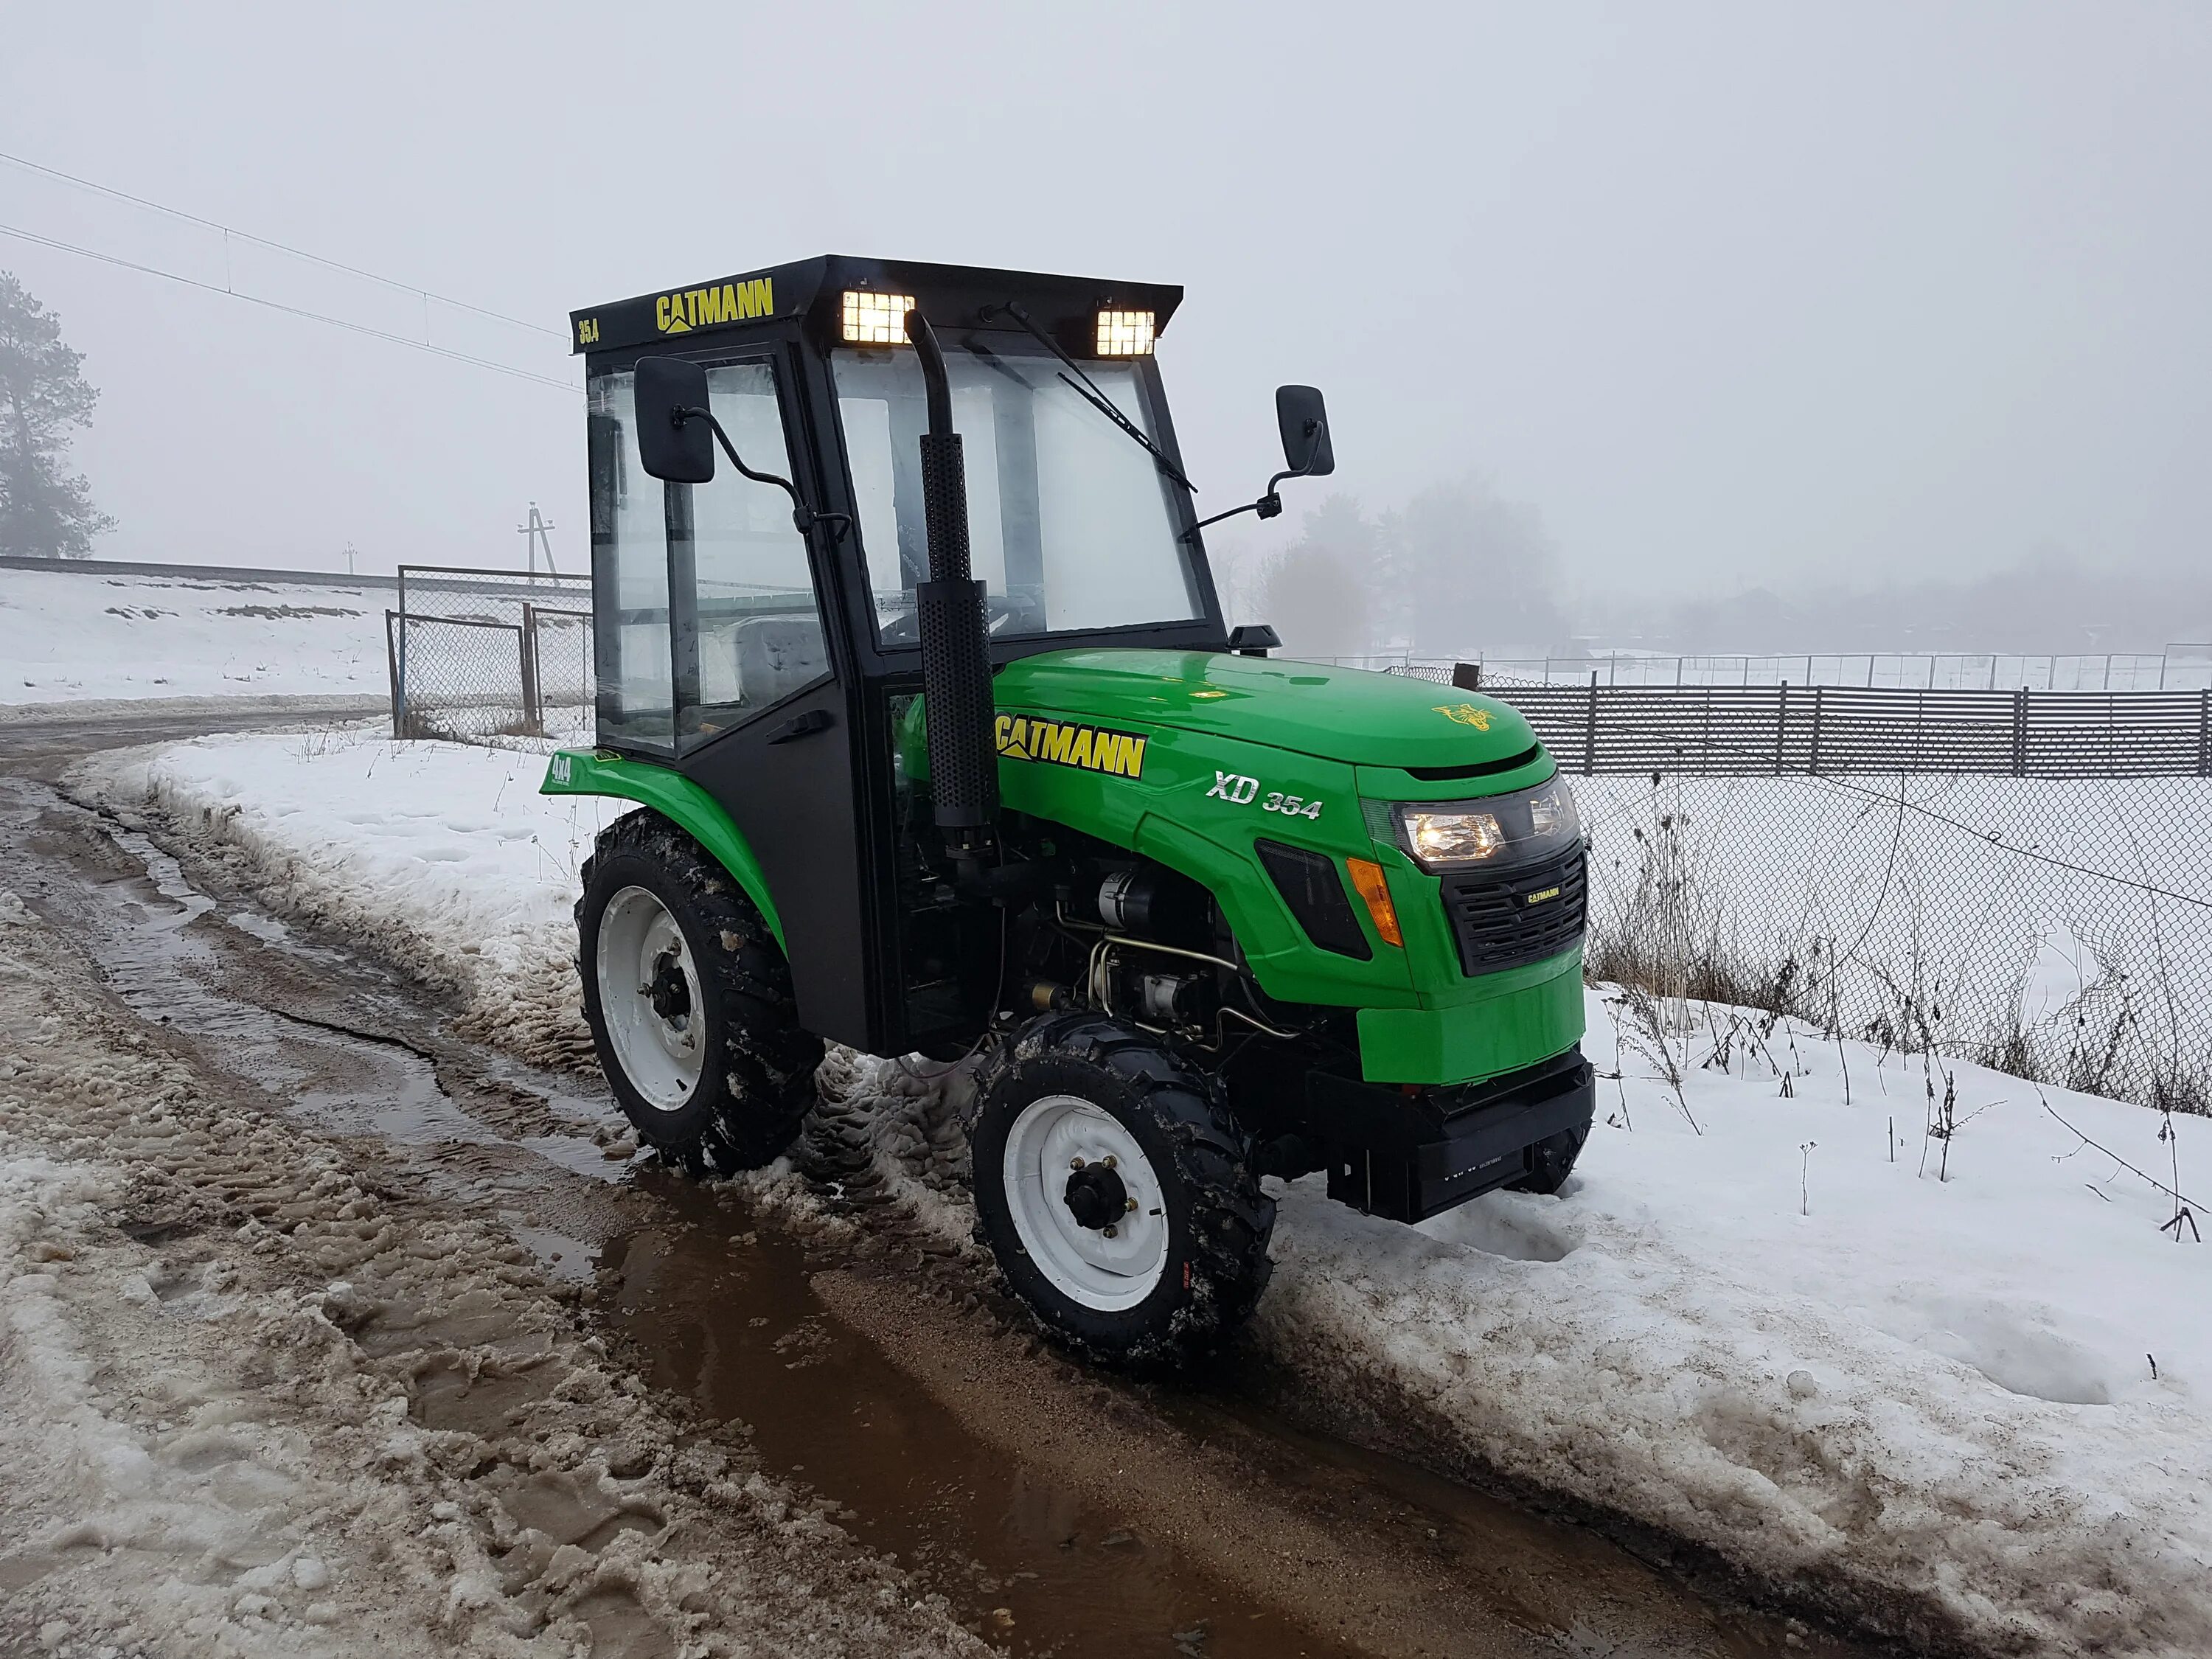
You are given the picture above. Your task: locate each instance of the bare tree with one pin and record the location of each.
(44, 513)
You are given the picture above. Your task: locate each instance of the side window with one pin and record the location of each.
(754, 632)
(706, 604)
(629, 577)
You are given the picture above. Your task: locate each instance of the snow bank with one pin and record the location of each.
(1970, 1398)
(71, 634)
(1928, 1399)
(443, 857)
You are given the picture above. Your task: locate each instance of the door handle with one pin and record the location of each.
(803, 726)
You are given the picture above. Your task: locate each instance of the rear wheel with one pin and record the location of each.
(1116, 1192)
(689, 1000)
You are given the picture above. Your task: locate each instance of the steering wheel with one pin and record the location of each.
(998, 608)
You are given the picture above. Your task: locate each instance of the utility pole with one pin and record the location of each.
(348, 558)
(535, 530)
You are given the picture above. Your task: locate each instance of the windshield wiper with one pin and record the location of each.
(1089, 392)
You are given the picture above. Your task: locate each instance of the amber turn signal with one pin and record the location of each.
(1367, 880)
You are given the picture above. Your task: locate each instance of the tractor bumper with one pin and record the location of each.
(1410, 1157)
(1497, 1024)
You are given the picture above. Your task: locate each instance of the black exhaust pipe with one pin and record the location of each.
(955, 663)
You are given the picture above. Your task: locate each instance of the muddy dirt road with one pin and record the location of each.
(481, 1378)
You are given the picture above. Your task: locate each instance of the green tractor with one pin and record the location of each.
(945, 748)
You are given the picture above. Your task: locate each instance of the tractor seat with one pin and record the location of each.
(777, 655)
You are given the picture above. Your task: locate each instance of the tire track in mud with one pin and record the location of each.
(255, 1399)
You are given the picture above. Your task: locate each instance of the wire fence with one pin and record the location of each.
(490, 657)
(2024, 880)
(2057, 929)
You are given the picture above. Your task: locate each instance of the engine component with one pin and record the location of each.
(1045, 994)
(1127, 900)
(1166, 998)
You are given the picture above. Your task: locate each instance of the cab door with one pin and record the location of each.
(722, 663)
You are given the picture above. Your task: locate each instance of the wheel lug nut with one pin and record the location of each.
(1075, 1163)
(1109, 1160)
(1131, 1205)
(1109, 1229)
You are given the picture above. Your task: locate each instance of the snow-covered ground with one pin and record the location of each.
(1965, 1386)
(66, 636)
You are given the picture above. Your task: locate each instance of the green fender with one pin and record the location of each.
(676, 798)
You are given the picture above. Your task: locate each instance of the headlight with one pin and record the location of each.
(1451, 837)
(1503, 828)
(866, 317)
(1125, 333)
(1552, 813)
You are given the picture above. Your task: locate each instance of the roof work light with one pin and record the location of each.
(1125, 333)
(872, 319)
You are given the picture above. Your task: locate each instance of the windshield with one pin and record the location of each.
(1070, 524)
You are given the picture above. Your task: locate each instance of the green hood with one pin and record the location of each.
(1338, 714)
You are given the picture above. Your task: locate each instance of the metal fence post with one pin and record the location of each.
(392, 667)
(1590, 731)
(1813, 764)
(2204, 733)
(2020, 732)
(1781, 725)
(533, 708)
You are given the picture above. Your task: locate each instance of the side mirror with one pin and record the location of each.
(1307, 453)
(669, 444)
(1299, 411)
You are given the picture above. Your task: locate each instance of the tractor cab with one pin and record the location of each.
(907, 645)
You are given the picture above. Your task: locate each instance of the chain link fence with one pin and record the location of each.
(490, 657)
(2057, 929)
(2024, 880)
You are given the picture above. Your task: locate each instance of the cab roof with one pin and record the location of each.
(949, 296)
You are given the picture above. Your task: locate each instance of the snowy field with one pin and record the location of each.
(68, 635)
(1965, 1386)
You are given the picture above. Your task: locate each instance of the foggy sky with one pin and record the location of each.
(1730, 294)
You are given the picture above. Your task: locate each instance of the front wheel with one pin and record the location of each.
(1116, 1192)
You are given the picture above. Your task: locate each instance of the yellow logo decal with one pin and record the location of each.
(1466, 714)
(704, 307)
(1084, 746)
(1548, 893)
(587, 330)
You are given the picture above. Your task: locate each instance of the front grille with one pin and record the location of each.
(1508, 918)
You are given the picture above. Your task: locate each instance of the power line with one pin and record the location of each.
(291, 311)
(229, 232)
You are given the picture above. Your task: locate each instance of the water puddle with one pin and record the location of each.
(728, 1316)
(169, 971)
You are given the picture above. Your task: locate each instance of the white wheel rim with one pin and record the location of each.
(1107, 1275)
(661, 1055)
